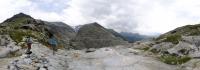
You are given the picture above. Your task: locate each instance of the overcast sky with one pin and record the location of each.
(147, 17)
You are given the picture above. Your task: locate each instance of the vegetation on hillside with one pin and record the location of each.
(174, 60)
(13, 27)
(174, 36)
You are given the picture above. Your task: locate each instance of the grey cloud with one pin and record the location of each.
(51, 5)
(143, 16)
(102, 10)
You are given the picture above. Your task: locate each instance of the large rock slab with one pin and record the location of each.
(112, 59)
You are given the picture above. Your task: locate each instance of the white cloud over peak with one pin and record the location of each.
(143, 16)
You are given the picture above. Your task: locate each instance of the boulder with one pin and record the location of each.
(164, 46)
(195, 40)
(182, 47)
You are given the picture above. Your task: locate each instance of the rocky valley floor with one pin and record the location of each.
(110, 58)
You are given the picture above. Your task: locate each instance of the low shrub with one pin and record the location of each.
(173, 38)
(174, 60)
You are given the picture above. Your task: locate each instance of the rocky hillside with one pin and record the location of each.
(21, 25)
(178, 46)
(175, 35)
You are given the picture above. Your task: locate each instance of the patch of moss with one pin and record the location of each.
(189, 30)
(173, 38)
(12, 28)
(194, 32)
(17, 35)
(145, 48)
(174, 60)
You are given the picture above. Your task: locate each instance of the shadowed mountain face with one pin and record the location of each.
(116, 34)
(95, 36)
(95, 31)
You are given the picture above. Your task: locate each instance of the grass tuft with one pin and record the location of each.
(174, 60)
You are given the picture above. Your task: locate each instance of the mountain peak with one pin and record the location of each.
(95, 24)
(19, 15)
(22, 15)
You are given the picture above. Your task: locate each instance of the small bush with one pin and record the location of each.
(154, 51)
(145, 48)
(17, 35)
(174, 60)
(173, 38)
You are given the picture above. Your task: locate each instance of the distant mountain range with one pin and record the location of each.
(132, 37)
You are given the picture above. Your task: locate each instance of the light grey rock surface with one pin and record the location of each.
(114, 59)
(163, 46)
(181, 45)
(108, 58)
(7, 46)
